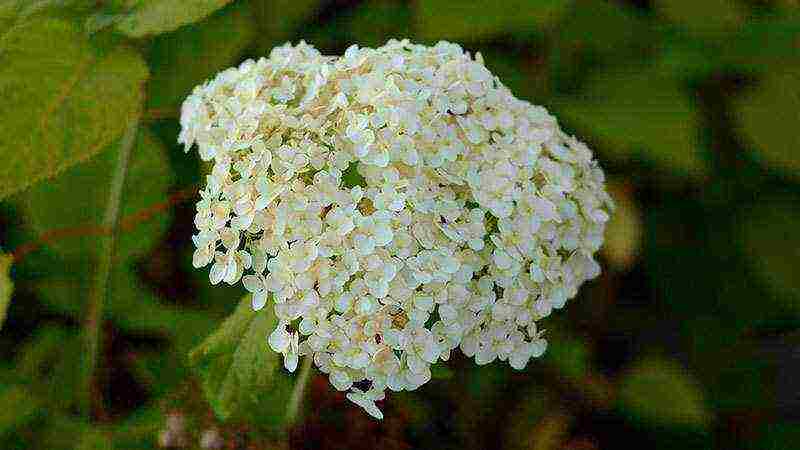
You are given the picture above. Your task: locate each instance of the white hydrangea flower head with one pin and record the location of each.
(391, 205)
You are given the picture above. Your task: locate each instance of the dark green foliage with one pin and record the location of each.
(687, 340)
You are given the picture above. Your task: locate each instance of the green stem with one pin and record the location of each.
(296, 401)
(98, 294)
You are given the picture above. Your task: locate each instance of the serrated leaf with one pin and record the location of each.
(235, 363)
(76, 200)
(55, 118)
(623, 238)
(661, 392)
(150, 17)
(187, 57)
(6, 285)
(471, 20)
(771, 246)
(768, 117)
(639, 115)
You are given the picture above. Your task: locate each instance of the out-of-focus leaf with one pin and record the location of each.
(68, 432)
(278, 19)
(738, 377)
(6, 285)
(569, 355)
(235, 363)
(37, 353)
(441, 372)
(17, 10)
(149, 17)
(778, 436)
(76, 200)
(708, 18)
(760, 45)
(528, 410)
(144, 424)
(183, 59)
(58, 117)
(470, 20)
(660, 391)
(570, 358)
(550, 432)
(762, 42)
(639, 115)
(370, 24)
(771, 245)
(49, 366)
(21, 407)
(596, 32)
(607, 27)
(95, 440)
(768, 117)
(623, 239)
(130, 306)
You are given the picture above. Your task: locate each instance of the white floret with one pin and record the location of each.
(395, 204)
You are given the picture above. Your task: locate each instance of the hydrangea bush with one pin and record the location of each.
(392, 205)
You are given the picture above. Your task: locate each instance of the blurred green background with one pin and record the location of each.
(690, 339)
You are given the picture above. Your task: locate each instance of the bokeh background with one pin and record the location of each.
(689, 339)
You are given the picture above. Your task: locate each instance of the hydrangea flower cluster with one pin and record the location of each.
(394, 204)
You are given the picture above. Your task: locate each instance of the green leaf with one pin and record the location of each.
(279, 19)
(131, 305)
(441, 372)
(369, 25)
(149, 17)
(49, 365)
(768, 118)
(235, 363)
(40, 350)
(471, 20)
(76, 201)
(771, 245)
(95, 440)
(12, 11)
(709, 18)
(760, 45)
(568, 355)
(661, 392)
(55, 118)
(25, 407)
(596, 32)
(639, 115)
(777, 436)
(6, 285)
(187, 57)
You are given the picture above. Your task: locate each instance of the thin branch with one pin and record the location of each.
(97, 295)
(296, 401)
(126, 224)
